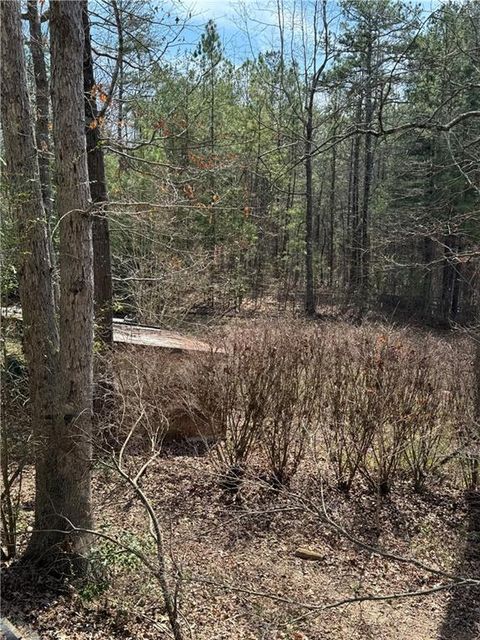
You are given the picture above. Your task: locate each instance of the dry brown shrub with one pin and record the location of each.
(434, 416)
(265, 393)
(392, 403)
(17, 448)
(349, 426)
(298, 372)
(383, 401)
(404, 397)
(465, 401)
(237, 389)
(393, 377)
(156, 390)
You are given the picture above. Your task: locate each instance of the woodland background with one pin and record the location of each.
(300, 193)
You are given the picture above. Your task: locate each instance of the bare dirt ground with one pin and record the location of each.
(250, 546)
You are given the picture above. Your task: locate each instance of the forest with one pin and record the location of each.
(240, 306)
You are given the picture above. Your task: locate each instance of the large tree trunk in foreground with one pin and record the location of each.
(42, 107)
(35, 279)
(98, 189)
(41, 103)
(42, 123)
(76, 268)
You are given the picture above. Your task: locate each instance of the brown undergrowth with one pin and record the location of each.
(229, 552)
(377, 403)
(355, 443)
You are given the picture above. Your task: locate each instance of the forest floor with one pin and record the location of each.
(218, 543)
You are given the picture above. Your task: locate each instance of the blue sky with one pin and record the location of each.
(230, 16)
(230, 25)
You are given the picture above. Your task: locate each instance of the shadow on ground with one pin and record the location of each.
(462, 614)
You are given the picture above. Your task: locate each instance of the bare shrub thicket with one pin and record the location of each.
(298, 371)
(414, 412)
(161, 284)
(368, 406)
(348, 425)
(384, 401)
(157, 284)
(167, 287)
(437, 411)
(265, 393)
(374, 401)
(16, 447)
(156, 391)
(391, 406)
(465, 398)
(237, 389)
(391, 397)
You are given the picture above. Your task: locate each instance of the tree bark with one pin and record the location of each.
(42, 104)
(332, 206)
(449, 280)
(428, 255)
(102, 267)
(42, 134)
(368, 175)
(35, 278)
(309, 281)
(356, 248)
(76, 270)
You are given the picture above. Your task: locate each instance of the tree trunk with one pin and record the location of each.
(42, 135)
(449, 278)
(309, 282)
(348, 230)
(121, 129)
(213, 211)
(356, 249)
(42, 106)
(428, 255)
(367, 180)
(35, 277)
(102, 267)
(332, 205)
(73, 496)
